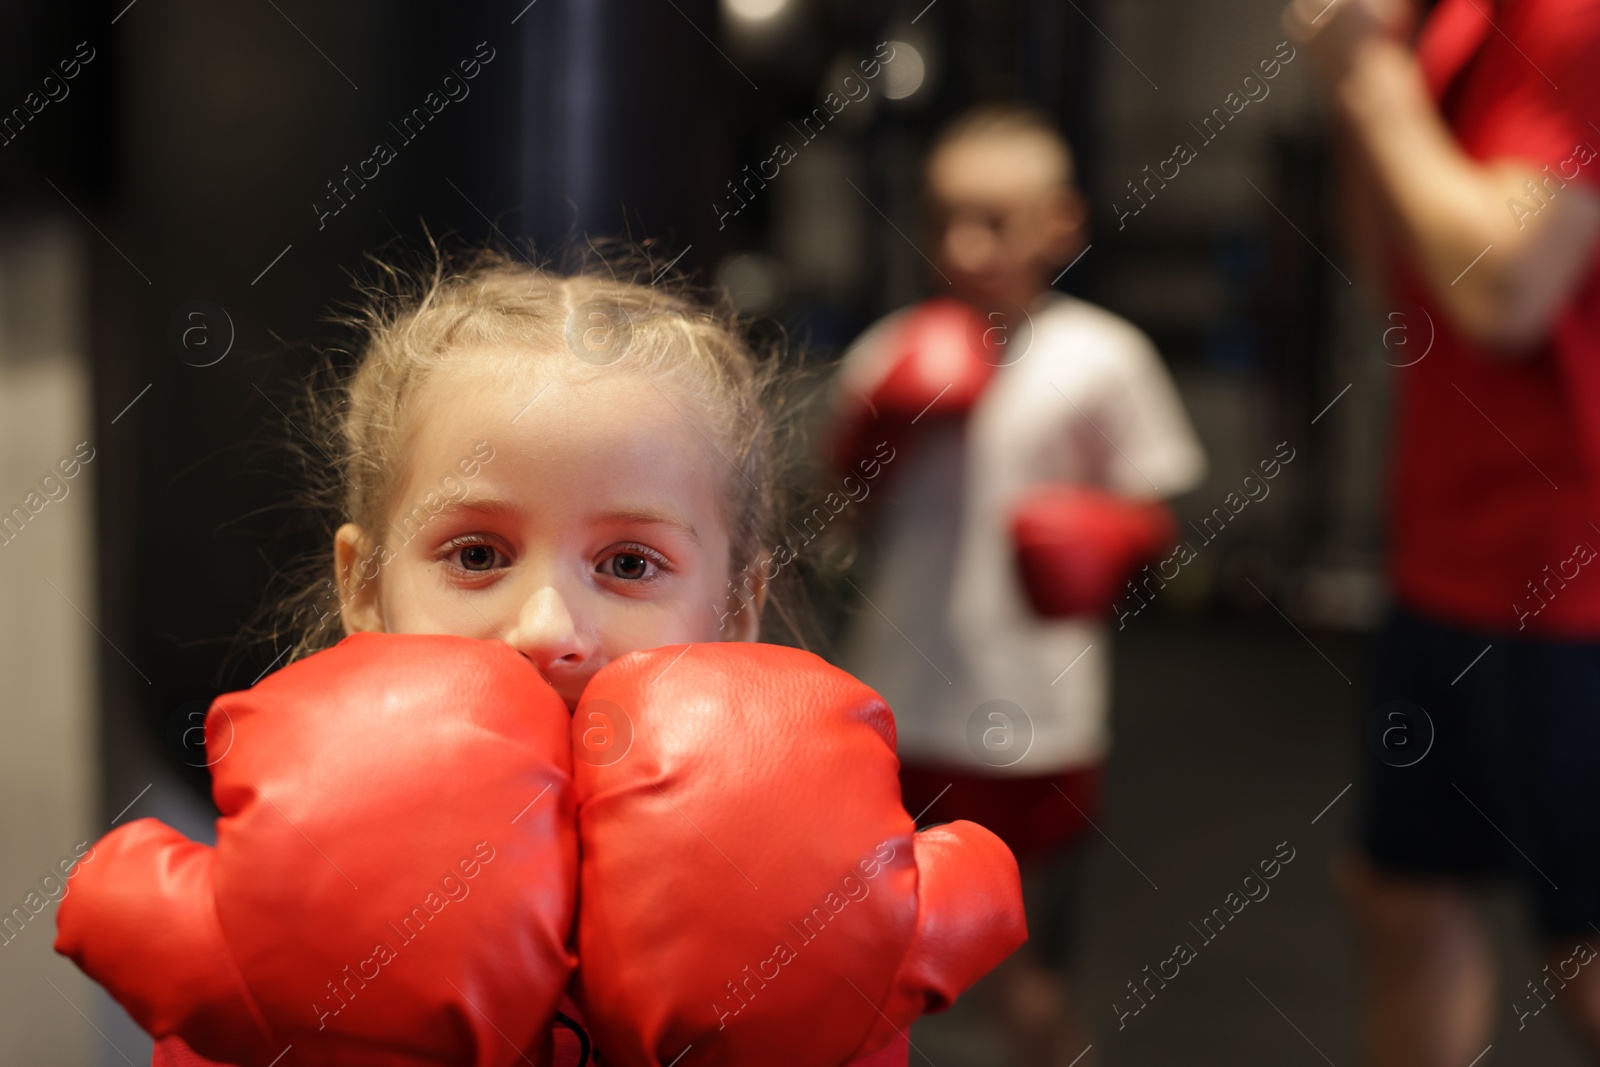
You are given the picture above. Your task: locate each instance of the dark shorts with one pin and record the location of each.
(1508, 783)
(1045, 820)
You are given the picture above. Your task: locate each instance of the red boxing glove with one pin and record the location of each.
(1076, 546)
(945, 353)
(394, 876)
(752, 889)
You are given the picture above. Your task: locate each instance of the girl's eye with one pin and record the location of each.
(629, 565)
(633, 564)
(477, 558)
(473, 557)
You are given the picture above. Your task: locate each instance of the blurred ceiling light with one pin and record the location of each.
(756, 284)
(903, 74)
(754, 10)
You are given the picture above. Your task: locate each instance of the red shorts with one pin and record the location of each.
(1034, 815)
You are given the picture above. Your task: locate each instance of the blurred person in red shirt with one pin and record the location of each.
(1473, 192)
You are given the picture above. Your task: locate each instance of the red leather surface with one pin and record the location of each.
(750, 881)
(943, 362)
(965, 878)
(897, 1053)
(405, 791)
(571, 1048)
(171, 1051)
(1077, 546)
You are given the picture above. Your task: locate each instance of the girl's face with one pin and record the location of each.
(577, 521)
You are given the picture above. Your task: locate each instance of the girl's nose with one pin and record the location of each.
(548, 634)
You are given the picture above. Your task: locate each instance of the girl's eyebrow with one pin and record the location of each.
(643, 515)
(647, 515)
(491, 506)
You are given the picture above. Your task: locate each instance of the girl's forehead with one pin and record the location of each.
(584, 436)
(542, 415)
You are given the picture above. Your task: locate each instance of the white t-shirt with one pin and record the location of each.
(946, 629)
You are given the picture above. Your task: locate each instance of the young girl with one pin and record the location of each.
(578, 466)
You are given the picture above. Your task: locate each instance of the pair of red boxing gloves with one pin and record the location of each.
(1074, 546)
(420, 851)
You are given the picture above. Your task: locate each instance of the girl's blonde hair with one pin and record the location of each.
(413, 324)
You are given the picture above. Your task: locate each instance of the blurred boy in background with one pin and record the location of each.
(1023, 441)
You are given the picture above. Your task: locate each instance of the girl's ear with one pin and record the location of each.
(746, 625)
(353, 557)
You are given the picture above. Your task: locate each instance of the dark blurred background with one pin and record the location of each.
(177, 223)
